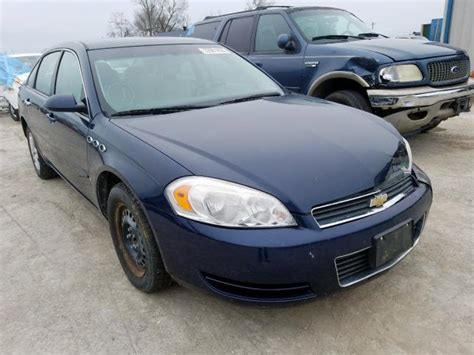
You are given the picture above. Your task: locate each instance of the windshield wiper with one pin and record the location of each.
(371, 34)
(249, 98)
(157, 111)
(336, 37)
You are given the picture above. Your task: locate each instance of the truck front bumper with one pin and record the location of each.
(412, 109)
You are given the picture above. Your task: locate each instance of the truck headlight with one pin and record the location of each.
(226, 204)
(403, 73)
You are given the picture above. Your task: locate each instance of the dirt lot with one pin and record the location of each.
(62, 288)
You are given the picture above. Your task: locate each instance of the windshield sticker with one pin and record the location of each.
(214, 50)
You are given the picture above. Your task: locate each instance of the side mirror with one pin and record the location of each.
(285, 42)
(64, 103)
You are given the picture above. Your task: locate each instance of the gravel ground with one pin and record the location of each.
(63, 290)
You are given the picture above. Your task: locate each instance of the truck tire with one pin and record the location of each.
(134, 242)
(43, 170)
(350, 98)
(13, 113)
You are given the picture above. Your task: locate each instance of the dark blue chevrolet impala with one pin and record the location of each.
(213, 175)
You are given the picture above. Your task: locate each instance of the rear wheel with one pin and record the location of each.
(134, 242)
(13, 113)
(350, 98)
(42, 169)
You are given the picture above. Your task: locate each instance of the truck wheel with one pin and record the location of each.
(430, 127)
(134, 243)
(42, 169)
(350, 98)
(13, 113)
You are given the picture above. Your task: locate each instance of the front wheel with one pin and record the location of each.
(350, 98)
(134, 243)
(13, 113)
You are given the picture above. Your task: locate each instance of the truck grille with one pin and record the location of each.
(445, 71)
(360, 206)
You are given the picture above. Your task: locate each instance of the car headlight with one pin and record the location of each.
(401, 73)
(226, 204)
(404, 158)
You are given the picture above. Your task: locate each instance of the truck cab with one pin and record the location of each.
(330, 53)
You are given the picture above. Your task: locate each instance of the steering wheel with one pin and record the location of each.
(119, 94)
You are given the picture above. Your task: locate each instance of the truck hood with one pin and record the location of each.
(399, 49)
(304, 151)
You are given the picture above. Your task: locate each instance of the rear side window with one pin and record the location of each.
(44, 78)
(205, 30)
(240, 31)
(32, 77)
(268, 29)
(69, 80)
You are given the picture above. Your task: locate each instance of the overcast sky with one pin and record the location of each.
(34, 25)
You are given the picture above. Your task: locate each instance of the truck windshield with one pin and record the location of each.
(329, 25)
(168, 78)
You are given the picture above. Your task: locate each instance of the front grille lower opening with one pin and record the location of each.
(356, 266)
(262, 292)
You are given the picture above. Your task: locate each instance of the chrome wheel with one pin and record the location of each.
(34, 152)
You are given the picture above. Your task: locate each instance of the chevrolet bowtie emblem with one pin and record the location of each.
(378, 200)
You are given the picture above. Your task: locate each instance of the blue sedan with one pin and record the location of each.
(214, 176)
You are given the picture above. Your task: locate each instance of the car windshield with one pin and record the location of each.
(330, 25)
(162, 78)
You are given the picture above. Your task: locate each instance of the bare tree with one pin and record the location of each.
(155, 16)
(120, 26)
(253, 4)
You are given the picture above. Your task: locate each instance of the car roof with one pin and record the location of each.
(21, 55)
(263, 9)
(132, 42)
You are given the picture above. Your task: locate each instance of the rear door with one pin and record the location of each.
(237, 34)
(69, 130)
(285, 66)
(34, 98)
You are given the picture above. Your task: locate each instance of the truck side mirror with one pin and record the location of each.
(286, 42)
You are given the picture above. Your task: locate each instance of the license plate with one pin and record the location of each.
(388, 246)
(462, 105)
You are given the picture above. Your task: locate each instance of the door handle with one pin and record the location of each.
(51, 117)
(27, 102)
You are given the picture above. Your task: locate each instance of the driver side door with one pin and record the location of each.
(284, 66)
(69, 130)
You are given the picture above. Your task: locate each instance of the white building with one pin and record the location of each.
(458, 26)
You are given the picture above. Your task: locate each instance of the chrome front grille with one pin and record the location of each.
(359, 206)
(445, 71)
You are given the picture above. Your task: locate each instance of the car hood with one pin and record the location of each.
(304, 151)
(400, 49)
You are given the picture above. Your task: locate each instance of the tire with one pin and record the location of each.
(430, 127)
(350, 98)
(13, 113)
(134, 243)
(43, 170)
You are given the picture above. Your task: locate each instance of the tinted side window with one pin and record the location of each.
(224, 33)
(239, 34)
(205, 30)
(32, 76)
(69, 80)
(268, 29)
(44, 78)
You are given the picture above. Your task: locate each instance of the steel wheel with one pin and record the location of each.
(34, 152)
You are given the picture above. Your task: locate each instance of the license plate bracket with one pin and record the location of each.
(388, 246)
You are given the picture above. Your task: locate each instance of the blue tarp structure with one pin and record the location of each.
(10, 68)
(435, 29)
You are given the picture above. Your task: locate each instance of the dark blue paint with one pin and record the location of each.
(361, 57)
(304, 151)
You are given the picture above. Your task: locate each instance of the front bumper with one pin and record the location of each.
(411, 109)
(278, 265)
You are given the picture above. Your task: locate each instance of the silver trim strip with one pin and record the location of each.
(387, 204)
(386, 267)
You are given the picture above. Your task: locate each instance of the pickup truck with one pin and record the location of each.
(330, 53)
